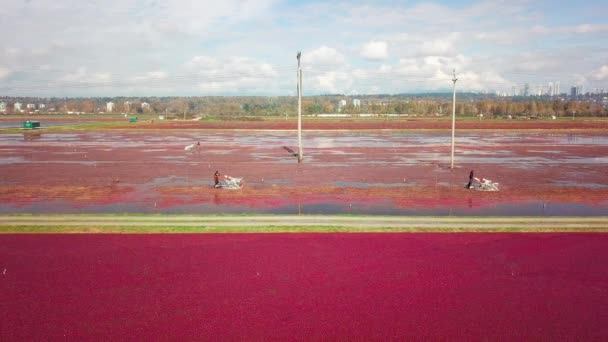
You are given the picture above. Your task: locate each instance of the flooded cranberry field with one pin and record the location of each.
(351, 172)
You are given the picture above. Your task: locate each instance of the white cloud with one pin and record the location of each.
(82, 75)
(580, 79)
(431, 15)
(78, 75)
(570, 29)
(439, 46)
(231, 75)
(408, 74)
(136, 46)
(102, 77)
(3, 72)
(601, 74)
(230, 66)
(540, 29)
(535, 62)
(333, 82)
(327, 82)
(483, 81)
(202, 61)
(375, 50)
(12, 51)
(429, 73)
(419, 45)
(501, 37)
(151, 75)
(587, 28)
(323, 56)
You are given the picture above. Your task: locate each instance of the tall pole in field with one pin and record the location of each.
(299, 108)
(453, 115)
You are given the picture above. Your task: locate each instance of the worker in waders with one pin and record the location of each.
(471, 178)
(216, 178)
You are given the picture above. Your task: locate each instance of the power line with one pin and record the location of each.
(149, 81)
(365, 74)
(548, 77)
(351, 78)
(210, 78)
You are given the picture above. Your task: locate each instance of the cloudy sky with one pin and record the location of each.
(242, 47)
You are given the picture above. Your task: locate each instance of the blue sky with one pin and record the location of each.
(240, 47)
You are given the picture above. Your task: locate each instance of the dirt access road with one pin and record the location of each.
(286, 223)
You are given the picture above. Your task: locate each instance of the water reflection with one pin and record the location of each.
(32, 136)
(321, 140)
(217, 206)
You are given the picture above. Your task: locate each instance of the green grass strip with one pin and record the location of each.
(33, 229)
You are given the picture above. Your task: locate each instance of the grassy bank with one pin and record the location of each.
(293, 224)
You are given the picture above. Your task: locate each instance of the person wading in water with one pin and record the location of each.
(471, 177)
(216, 178)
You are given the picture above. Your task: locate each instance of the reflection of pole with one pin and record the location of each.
(453, 116)
(299, 109)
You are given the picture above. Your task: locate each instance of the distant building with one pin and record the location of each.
(109, 107)
(127, 106)
(145, 106)
(556, 91)
(579, 90)
(356, 103)
(41, 106)
(2, 107)
(341, 104)
(551, 89)
(527, 89)
(574, 91)
(18, 107)
(30, 106)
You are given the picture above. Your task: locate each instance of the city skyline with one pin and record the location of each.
(133, 48)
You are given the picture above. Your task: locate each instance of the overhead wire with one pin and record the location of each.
(146, 81)
(202, 74)
(215, 79)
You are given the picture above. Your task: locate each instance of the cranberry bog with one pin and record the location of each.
(349, 286)
(144, 169)
(464, 286)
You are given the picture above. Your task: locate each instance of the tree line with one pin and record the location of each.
(219, 106)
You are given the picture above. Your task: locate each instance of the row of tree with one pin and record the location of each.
(284, 105)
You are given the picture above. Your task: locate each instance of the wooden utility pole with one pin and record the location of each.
(454, 79)
(300, 156)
